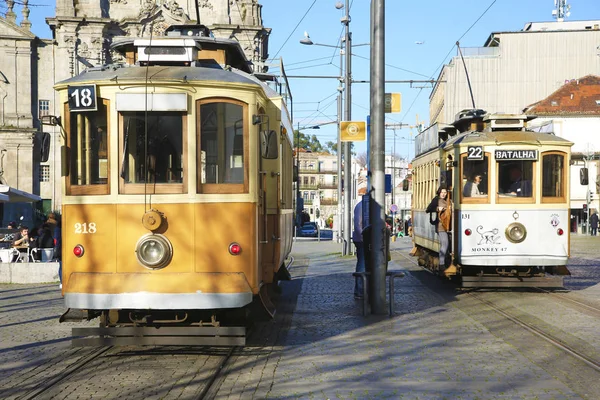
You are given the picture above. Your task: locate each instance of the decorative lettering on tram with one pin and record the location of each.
(516, 155)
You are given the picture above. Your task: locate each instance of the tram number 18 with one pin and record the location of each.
(474, 153)
(83, 228)
(82, 98)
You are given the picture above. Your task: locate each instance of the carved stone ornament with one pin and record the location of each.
(118, 1)
(205, 4)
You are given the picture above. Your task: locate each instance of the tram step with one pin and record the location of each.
(161, 336)
(508, 281)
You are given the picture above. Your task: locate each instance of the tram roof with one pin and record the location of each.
(504, 137)
(112, 74)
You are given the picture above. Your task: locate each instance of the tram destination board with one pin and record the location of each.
(516, 154)
(82, 98)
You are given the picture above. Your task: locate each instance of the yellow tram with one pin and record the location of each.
(177, 191)
(510, 192)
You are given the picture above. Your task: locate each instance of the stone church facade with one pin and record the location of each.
(83, 31)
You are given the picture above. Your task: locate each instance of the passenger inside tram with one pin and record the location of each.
(471, 188)
(513, 178)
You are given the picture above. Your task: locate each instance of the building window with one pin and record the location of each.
(44, 108)
(45, 173)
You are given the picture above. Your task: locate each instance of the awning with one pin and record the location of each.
(11, 195)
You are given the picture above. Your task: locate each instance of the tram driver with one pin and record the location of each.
(518, 186)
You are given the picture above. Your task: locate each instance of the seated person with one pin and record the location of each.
(518, 186)
(23, 239)
(471, 188)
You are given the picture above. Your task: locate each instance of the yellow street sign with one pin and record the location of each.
(393, 102)
(353, 131)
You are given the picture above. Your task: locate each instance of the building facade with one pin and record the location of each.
(318, 184)
(515, 69)
(83, 31)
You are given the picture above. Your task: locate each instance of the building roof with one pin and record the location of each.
(576, 97)
(547, 27)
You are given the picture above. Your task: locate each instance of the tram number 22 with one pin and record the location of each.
(474, 153)
(85, 228)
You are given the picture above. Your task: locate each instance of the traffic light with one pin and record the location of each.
(591, 196)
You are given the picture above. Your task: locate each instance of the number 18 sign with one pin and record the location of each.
(82, 98)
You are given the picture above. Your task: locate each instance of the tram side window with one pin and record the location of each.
(222, 156)
(515, 178)
(475, 177)
(553, 177)
(88, 150)
(159, 136)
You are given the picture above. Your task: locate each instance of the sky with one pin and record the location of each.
(420, 38)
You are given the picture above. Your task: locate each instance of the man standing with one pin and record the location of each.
(360, 250)
(594, 223)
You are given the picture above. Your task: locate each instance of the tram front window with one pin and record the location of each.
(515, 178)
(152, 148)
(87, 141)
(475, 178)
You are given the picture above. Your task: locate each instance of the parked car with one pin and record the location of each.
(309, 229)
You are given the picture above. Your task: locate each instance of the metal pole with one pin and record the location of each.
(298, 181)
(394, 168)
(340, 215)
(347, 148)
(377, 210)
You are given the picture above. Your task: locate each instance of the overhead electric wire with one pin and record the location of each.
(463, 35)
(294, 30)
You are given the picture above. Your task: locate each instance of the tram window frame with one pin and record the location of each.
(222, 188)
(101, 188)
(154, 187)
(563, 187)
(482, 199)
(503, 198)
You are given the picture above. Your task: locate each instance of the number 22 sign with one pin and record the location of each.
(82, 98)
(474, 153)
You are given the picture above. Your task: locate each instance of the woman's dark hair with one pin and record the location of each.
(442, 187)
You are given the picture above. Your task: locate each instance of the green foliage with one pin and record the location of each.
(308, 142)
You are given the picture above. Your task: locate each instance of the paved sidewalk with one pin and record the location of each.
(429, 349)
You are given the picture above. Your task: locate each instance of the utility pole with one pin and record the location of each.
(347, 148)
(379, 237)
(340, 219)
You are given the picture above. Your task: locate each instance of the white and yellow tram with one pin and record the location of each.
(510, 192)
(177, 191)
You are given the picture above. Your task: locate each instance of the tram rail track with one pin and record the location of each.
(552, 339)
(71, 369)
(538, 332)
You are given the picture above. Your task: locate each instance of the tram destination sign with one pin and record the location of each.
(82, 98)
(516, 155)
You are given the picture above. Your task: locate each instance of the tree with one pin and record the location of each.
(331, 147)
(306, 142)
(361, 159)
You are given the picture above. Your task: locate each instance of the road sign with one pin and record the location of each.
(394, 208)
(393, 102)
(353, 131)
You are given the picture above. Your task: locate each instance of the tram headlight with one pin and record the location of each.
(154, 251)
(516, 232)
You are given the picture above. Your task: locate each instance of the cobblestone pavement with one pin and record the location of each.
(319, 346)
